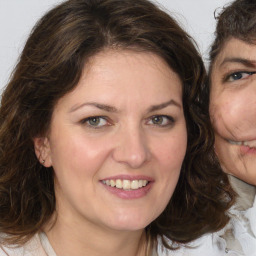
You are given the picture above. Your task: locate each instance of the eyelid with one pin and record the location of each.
(227, 76)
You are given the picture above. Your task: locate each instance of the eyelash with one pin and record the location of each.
(169, 121)
(231, 75)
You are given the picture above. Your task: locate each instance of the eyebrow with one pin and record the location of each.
(97, 105)
(245, 62)
(164, 105)
(114, 110)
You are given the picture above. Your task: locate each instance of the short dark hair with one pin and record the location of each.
(236, 20)
(50, 66)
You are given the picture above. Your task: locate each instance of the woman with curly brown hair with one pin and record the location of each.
(106, 143)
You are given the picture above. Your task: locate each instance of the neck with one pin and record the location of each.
(68, 238)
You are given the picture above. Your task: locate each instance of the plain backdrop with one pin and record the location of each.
(17, 17)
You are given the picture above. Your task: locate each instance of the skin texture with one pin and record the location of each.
(126, 90)
(233, 108)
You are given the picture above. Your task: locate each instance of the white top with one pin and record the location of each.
(207, 245)
(37, 246)
(238, 238)
(240, 234)
(40, 246)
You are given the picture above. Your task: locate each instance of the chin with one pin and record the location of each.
(131, 222)
(250, 179)
(246, 175)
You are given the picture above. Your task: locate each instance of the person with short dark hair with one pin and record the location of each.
(105, 137)
(232, 88)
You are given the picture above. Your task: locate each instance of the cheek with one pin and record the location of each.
(233, 110)
(79, 155)
(221, 147)
(226, 113)
(229, 157)
(171, 153)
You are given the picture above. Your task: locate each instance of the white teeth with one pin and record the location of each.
(251, 144)
(112, 183)
(126, 184)
(119, 184)
(235, 142)
(135, 184)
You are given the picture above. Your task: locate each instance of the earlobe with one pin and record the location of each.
(43, 151)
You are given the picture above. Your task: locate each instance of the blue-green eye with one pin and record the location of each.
(238, 76)
(161, 120)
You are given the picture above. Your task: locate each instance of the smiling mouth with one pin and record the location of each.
(126, 184)
(250, 144)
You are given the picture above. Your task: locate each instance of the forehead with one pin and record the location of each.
(112, 65)
(119, 76)
(112, 58)
(235, 49)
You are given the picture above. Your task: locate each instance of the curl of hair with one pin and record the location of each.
(50, 66)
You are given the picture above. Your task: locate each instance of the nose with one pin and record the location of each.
(132, 148)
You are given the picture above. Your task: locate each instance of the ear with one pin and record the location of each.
(43, 151)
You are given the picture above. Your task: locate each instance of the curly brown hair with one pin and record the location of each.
(236, 20)
(50, 66)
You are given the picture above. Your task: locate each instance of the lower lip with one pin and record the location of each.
(129, 194)
(247, 150)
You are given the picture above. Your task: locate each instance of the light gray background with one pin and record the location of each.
(17, 18)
